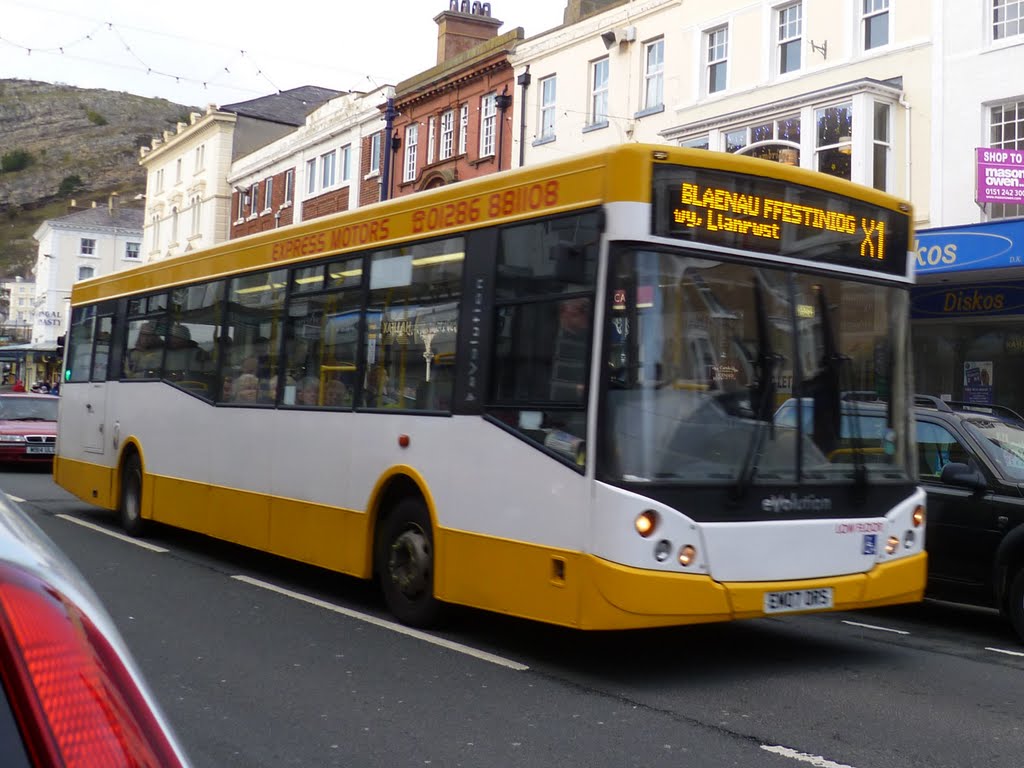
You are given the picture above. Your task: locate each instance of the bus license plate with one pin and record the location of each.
(39, 449)
(798, 600)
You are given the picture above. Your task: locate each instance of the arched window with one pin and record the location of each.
(84, 273)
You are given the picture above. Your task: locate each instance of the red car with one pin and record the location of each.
(28, 427)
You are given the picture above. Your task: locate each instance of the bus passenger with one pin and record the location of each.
(336, 393)
(308, 391)
(246, 388)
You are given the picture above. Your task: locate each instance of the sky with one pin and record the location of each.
(211, 51)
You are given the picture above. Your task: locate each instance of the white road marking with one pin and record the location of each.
(803, 757)
(16, 498)
(872, 626)
(399, 628)
(1008, 653)
(113, 534)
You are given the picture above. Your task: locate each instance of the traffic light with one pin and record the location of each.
(60, 354)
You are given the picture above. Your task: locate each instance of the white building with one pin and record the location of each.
(329, 159)
(832, 86)
(188, 198)
(19, 298)
(82, 244)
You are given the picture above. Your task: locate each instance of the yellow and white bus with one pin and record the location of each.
(549, 393)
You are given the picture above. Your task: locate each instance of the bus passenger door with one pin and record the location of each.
(95, 439)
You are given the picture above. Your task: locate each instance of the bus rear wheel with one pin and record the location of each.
(129, 509)
(406, 565)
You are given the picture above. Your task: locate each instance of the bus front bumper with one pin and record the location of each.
(619, 597)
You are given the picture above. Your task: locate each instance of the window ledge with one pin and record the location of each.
(371, 175)
(595, 126)
(650, 111)
(543, 140)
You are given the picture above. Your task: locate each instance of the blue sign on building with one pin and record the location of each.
(996, 245)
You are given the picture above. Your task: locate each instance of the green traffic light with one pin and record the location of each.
(67, 375)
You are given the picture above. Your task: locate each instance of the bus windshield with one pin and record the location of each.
(735, 374)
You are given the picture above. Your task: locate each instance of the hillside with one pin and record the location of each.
(58, 142)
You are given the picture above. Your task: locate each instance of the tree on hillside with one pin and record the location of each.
(16, 160)
(70, 185)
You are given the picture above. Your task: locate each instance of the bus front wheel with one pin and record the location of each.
(406, 565)
(130, 508)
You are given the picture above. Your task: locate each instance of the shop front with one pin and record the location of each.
(967, 313)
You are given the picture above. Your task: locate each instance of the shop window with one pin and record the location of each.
(834, 142)
(1006, 131)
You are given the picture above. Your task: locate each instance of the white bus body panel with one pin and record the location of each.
(470, 466)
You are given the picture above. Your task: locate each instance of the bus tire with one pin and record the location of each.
(1015, 604)
(129, 508)
(406, 567)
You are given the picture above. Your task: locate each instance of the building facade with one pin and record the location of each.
(189, 202)
(827, 86)
(19, 298)
(454, 120)
(331, 163)
(187, 199)
(968, 307)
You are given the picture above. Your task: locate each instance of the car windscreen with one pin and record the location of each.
(1003, 442)
(28, 408)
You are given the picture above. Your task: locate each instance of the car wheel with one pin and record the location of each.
(1015, 604)
(130, 507)
(406, 565)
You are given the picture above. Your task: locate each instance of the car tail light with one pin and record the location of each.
(76, 703)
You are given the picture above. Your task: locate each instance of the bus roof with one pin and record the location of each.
(613, 174)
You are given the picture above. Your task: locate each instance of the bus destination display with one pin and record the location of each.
(767, 215)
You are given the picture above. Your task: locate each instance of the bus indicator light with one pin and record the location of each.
(892, 545)
(646, 522)
(687, 555)
(918, 517)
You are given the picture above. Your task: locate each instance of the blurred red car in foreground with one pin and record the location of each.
(28, 427)
(70, 694)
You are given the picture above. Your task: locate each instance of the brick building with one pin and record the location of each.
(454, 120)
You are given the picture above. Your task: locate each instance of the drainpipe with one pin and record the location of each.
(502, 101)
(390, 113)
(524, 83)
(905, 103)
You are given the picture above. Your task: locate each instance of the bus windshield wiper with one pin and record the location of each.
(761, 400)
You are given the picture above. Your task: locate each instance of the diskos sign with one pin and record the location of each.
(971, 300)
(985, 246)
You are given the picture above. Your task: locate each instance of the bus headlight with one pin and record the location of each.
(646, 522)
(892, 545)
(687, 555)
(662, 550)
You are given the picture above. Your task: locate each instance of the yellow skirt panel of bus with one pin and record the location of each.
(311, 533)
(92, 483)
(530, 581)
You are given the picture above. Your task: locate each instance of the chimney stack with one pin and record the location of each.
(465, 25)
(112, 204)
